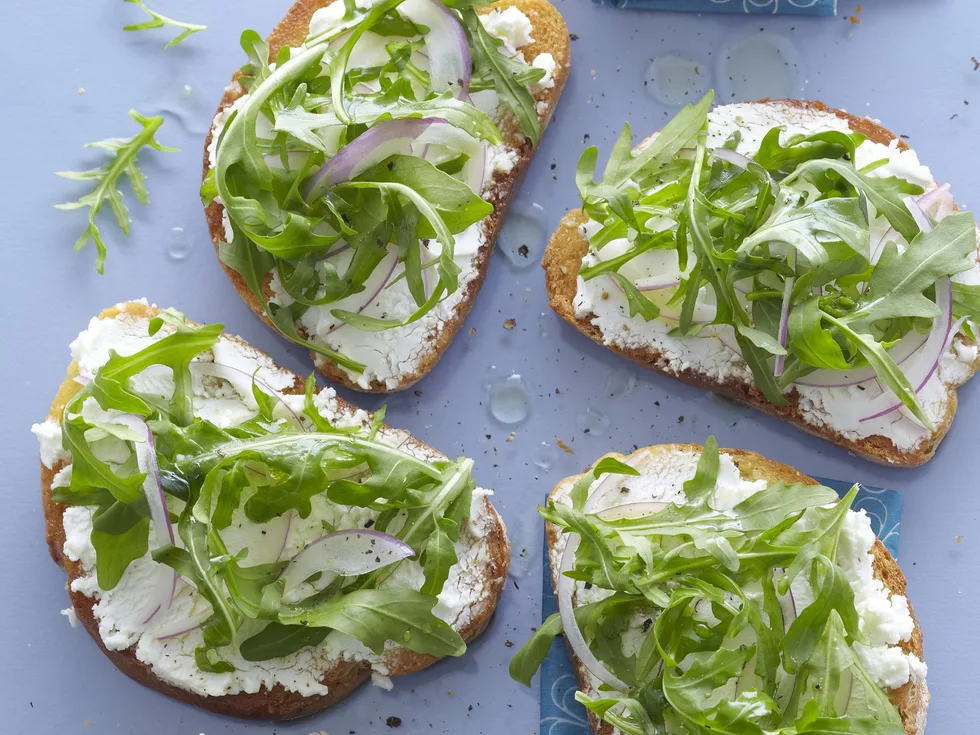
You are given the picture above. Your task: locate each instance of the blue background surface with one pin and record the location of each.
(907, 63)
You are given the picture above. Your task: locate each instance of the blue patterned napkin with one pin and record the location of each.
(755, 7)
(562, 715)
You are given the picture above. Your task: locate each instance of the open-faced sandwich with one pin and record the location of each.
(239, 540)
(793, 257)
(706, 591)
(360, 164)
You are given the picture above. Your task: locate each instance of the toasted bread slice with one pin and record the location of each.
(911, 700)
(342, 676)
(563, 258)
(549, 36)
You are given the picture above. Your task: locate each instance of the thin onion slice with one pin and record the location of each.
(931, 354)
(729, 156)
(611, 482)
(393, 257)
(938, 196)
(161, 597)
(783, 331)
(446, 47)
(231, 373)
(372, 146)
(657, 283)
(910, 344)
(566, 588)
(348, 553)
(631, 510)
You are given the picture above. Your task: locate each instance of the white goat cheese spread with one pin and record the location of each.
(884, 618)
(841, 409)
(391, 355)
(229, 403)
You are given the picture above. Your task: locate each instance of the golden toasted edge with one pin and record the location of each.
(563, 257)
(550, 36)
(277, 703)
(911, 700)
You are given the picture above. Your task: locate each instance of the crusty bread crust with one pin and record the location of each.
(550, 36)
(562, 260)
(277, 703)
(911, 700)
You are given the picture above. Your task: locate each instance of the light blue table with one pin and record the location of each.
(908, 63)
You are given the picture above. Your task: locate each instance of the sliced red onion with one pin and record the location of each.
(935, 347)
(727, 338)
(393, 256)
(160, 598)
(566, 589)
(917, 214)
(336, 251)
(396, 136)
(347, 553)
(657, 283)
(939, 195)
(906, 348)
(446, 47)
(566, 609)
(783, 331)
(369, 148)
(729, 156)
(631, 510)
(168, 633)
(285, 537)
(611, 482)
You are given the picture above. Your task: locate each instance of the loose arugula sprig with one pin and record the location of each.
(161, 21)
(106, 178)
(316, 103)
(266, 467)
(707, 584)
(792, 221)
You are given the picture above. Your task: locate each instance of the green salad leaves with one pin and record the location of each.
(690, 607)
(291, 212)
(106, 177)
(161, 21)
(266, 467)
(782, 241)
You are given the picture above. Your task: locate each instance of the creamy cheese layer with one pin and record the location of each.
(841, 409)
(229, 403)
(884, 618)
(394, 354)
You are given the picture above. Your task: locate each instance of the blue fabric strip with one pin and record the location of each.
(753, 7)
(562, 715)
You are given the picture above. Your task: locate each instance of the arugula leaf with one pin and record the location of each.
(611, 465)
(831, 144)
(899, 280)
(375, 616)
(488, 61)
(801, 228)
(106, 178)
(699, 488)
(266, 467)
(885, 193)
(160, 21)
(120, 536)
(719, 656)
(637, 302)
(277, 640)
(528, 659)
